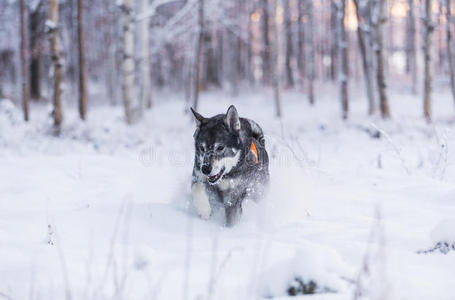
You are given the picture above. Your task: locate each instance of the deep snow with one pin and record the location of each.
(104, 211)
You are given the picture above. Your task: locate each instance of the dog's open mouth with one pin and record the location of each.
(214, 178)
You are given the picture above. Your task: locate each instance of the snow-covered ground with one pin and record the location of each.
(104, 211)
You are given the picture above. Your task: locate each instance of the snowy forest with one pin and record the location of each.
(355, 100)
(101, 52)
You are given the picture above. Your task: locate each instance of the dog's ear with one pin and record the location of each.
(232, 119)
(198, 117)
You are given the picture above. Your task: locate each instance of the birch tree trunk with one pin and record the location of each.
(427, 33)
(276, 61)
(310, 67)
(57, 64)
(128, 68)
(25, 91)
(82, 72)
(288, 28)
(112, 36)
(265, 42)
(146, 99)
(412, 51)
(378, 21)
(198, 54)
(365, 51)
(449, 47)
(343, 59)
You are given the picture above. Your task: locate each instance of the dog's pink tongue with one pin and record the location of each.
(213, 177)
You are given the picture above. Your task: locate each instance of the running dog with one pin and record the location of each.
(230, 163)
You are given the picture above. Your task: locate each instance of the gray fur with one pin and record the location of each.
(224, 164)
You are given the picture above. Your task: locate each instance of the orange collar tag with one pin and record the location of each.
(255, 152)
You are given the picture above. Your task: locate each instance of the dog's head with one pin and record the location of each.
(218, 144)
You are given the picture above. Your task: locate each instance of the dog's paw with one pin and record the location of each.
(201, 201)
(205, 215)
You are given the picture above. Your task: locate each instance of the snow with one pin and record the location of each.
(444, 232)
(50, 25)
(310, 262)
(103, 211)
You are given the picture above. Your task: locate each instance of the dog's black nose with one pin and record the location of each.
(206, 169)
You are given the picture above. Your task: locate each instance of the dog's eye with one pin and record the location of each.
(202, 148)
(220, 148)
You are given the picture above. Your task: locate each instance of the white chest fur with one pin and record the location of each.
(227, 184)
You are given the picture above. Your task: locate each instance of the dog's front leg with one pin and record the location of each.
(201, 200)
(233, 211)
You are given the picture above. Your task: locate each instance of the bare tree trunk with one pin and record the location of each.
(146, 99)
(365, 51)
(128, 87)
(288, 28)
(250, 66)
(427, 33)
(266, 42)
(449, 47)
(412, 51)
(188, 65)
(25, 95)
(198, 54)
(378, 21)
(220, 58)
(439, 41)
(211, 65)
(35, 20)
(276, 61)
(300, 41)
(82, 72)
(310, 68)
(334, 41)
(57, 64)
(111, 34)
(234, 66)
(343, 59)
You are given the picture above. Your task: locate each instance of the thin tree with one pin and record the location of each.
(300, 41)
(249, 55)
(310, 66)
(198, 54)
(343, 58)
(449, 47)
(112, 36)
(146, 99)
(427, 33)
(378, 20)
(333, 41)
(25, 94)
(35, 34)
(276, 61)
(412, 48)
(363, 28)
(56, 62)
(82, 72)
(128, 68)
(265, 42)
(289, 52)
